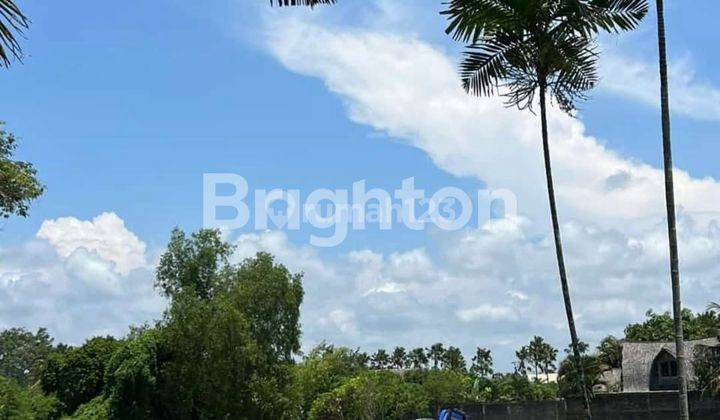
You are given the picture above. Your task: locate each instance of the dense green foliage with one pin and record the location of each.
(18, 183)
(659, 327)
(77, 375)
(372, 395)
(324, 369)
(22, 403)
(569, 384)
(706, 364)
(192, 263)
(22, 354)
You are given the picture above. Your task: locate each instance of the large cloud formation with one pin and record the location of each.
(78, 279)
(497, 285)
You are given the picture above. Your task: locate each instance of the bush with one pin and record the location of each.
(78, 375)
(132, 377)
(19, 403)
(322, 370)
(446, 387)
(97, 409)
(373, 395)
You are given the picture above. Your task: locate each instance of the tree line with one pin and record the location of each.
(228, 346)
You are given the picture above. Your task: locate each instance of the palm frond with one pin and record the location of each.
(310, 3)
(469, 19)
(484, 66)
(574, 71)
(619, 15)
(12, 23)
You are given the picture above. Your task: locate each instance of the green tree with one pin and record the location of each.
(522, 359)
(214, 364)
(322, 370)
(380, 360)
(363, 358)
(22, 403)
(435, 354)
(78, 375)
(661, 327)
(23, 353)
(610, 352)
(398, 357)
(231, 353)
(453, 360)
(568, 379)
(535, 352)
(18, 182)
(670, 208)
(417, 358)
(12, 22)
(542, 357)
(133, 379)
(517, 388)
(706, 365)
(537, 47)
(446, 387)
(482, 363)
(373, 395)
(97, 409)
(193, 263)
(269, 296)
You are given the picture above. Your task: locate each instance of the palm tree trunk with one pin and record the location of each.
(670, 205)
(559, 252)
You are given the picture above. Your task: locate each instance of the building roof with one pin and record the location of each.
(638, 357)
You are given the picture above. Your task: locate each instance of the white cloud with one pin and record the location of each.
(386, 83)
(83, 278)
(105, 235)
(488, 313)
(639, 80)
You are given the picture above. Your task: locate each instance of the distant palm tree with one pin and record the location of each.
(417, 358)
(520, 48)
(380, 360)
(435, 353)
(482, 363)
(453, 360)
(670, 208)
(398, 357)
(12, 23)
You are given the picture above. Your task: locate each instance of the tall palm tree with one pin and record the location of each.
(12, 23)
(670, 207)
(520, 48)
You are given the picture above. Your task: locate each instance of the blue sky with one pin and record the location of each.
(123, 107)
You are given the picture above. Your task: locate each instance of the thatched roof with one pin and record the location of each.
(637, 360)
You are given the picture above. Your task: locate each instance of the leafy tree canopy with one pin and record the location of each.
(18, 182)
(22, 403)
(78, 375)
(23, 353)
(192, 263)
(659, 327)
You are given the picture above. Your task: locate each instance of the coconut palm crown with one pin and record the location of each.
(518, 47)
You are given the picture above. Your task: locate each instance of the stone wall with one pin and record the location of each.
(619, 406)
